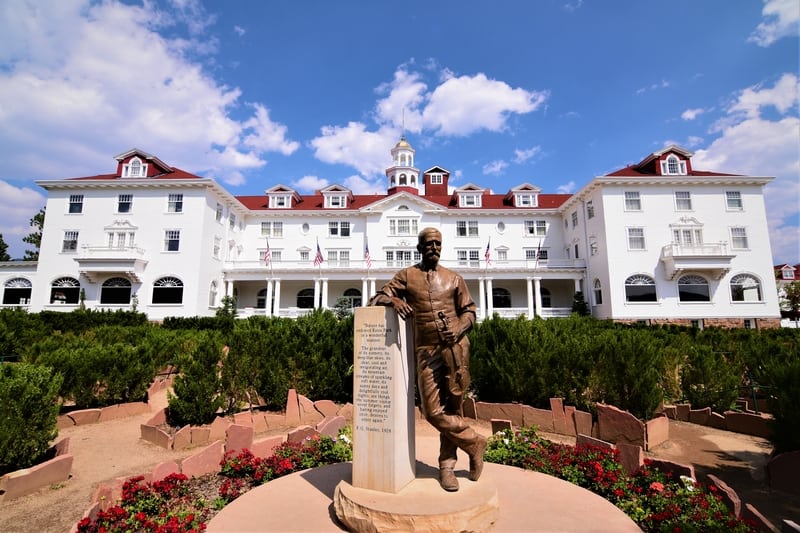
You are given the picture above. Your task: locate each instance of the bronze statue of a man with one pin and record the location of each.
(438, 301)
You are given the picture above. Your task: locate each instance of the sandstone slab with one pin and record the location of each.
(616, 425)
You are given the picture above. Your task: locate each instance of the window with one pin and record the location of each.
(403, 226)
(272, 229)
(469, 200)
(212, 294)
(739, 238)
(683, 200)
(536, 227)
(336, 201)
(175, 203)
(733, 200)
(339, 229)
(598, 292)
(274, 256)
(70, 243)
(124, 203)
(76, 203)
(636, 239)
(17, 291)
(282, 201)
(468, 257)
(672, 165)
(134, 169)
(546, 299)
(402, 258)
(466, 228)
(749, 323)
(172, 240)
(218, 215)
(305, 299)
(697, 323)
(593, 248)
(693, 289)
(217, 247)
(121, 239)
(502, 256)
(745, 288)
(339, 258)
(574, 218)
(436, 179)
(65, 290)
(525, 200)
(632, 201)
(501, 298)
(687, 236)
(116, 291)
(352, 297)
(168, 290)
(535, 254)
(232, 221)
(304, 255)
(640, 288)
(576, 251)
(589, 210)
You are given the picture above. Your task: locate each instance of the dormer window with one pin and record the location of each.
(469, 200)
(134, 169)
(525, 200)
(437, 179)
(787, 273)
(280, 201)
(673, 166)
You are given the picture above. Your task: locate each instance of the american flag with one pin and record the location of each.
(318, 258)
(488, 254)
(267, 255)
(367, 258)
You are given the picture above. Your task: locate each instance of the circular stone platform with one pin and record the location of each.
(421, 505)
(529, 501)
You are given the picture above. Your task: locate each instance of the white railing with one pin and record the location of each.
(111, 251)
(698, 250)
(382, 266)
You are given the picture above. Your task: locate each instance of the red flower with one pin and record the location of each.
(657, 486)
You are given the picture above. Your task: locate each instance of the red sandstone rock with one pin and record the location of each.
(158, 418)
(204, 462)
(729, 495)
(123, 410)
(182, 438)
(266, 447)
(748, 423)
(630, 457)
(762, 524)
(292, 409)
(346, 411)
(500, 425)
(243, 419)
(586, 439)
(671, 411)
(274, 421)
(259, 422)
(64, 422)
(85, 416)
(583, 422)
(717, 420)
(682, 411)
(700, 416)
(22, 482)
(102, 496)
(300, 433)
(218, 428)
(656, 431)
(162, 470)
(502, 411)
(331, 426)
(238, 438)
(156, 436)
(616, 425)
(783, 472)
(468, 408)
(201, 436)
(541, 418)
(308, 414)
(326, 408)
(677, 469)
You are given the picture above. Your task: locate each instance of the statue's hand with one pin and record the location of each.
(450, 337)
(402, 307)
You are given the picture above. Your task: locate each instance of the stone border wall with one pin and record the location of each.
(28, 480)
(748, 422)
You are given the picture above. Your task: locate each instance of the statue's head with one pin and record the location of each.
(429, 245)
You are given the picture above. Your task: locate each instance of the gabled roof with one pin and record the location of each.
(437, 169)
(144, 155)
(174, 173)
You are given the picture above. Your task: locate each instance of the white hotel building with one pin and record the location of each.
(656, 242)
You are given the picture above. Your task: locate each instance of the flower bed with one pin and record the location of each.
(181, 504)
(654, 500)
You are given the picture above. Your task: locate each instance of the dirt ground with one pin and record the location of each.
(103, 452)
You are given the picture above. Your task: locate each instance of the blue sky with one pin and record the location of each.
(310, 93)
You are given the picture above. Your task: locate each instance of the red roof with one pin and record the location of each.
(633, 171)
(176, 174)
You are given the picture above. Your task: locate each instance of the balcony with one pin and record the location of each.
(712, 259)
(99, 262)
(475, 266)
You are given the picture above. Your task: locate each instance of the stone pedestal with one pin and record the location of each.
(383, 401)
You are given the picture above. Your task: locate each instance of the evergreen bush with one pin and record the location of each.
(196, 396)
(28, 414)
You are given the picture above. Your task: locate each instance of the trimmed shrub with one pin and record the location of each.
(197, 399)
(28, 414)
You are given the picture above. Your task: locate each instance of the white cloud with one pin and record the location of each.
(691, 114)
(495, 167)
(359, 185)
(567, 188)
(751, 144)
(309, 184)
(520, 156)
(239, 30)
(354, 146)
(18, 205)
(781, 19)
(663, 84)
(467, 104)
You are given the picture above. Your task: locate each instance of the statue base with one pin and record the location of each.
(422, 505)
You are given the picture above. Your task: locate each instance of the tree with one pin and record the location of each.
(579, 305)
(791, 299)
(35, 238)
(4, 250)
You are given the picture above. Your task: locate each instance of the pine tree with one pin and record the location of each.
(4, 250)
(35, 238)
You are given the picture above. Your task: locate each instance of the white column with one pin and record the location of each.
(276, 311)
(229, 288)
(268, 303)
(482, 300)
(372, 290)
(316, 292)
(489, 299)
(578, 286)
(530, 297)
(364, 292)
(537, 294)
(324, 303)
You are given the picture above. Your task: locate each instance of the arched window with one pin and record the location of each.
(693, 289)
(305, 299)
(640, 288)
(65, 290)
(546, 300)
(168, 290)
(402, 180)
(115, 291)
(501, 298)
(353, 296)
(17, 291)
(598, 292)
(261, 299)
(745, 288)
(212, 294)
